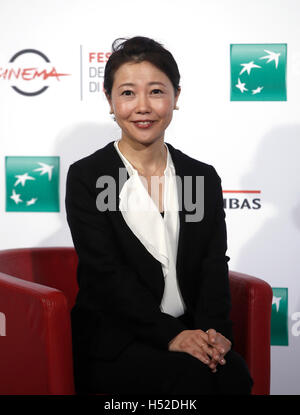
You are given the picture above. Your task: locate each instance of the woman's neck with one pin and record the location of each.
(147, 159)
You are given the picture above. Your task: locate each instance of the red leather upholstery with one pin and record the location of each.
(37, 291)
(251, 317)
(36, 353)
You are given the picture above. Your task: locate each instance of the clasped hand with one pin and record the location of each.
(210, 347)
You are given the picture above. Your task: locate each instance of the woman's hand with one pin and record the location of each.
(219, 343)
(209, 347)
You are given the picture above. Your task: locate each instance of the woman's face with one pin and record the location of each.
(142, 100)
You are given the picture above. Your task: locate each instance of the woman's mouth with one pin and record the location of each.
(143, 124)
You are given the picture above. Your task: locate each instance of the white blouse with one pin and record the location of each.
(159, 235)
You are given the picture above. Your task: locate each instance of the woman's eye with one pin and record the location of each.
(157, 91)
(127, 92)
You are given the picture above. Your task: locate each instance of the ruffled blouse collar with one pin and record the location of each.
(158, 235)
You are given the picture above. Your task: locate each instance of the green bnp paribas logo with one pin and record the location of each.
(279, 317)
(258, 72)
(32, 184)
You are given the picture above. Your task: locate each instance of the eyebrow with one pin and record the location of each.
(150, 83)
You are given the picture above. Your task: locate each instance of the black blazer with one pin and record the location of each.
(121, 284)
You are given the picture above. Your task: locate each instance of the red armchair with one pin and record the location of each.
(38, 288)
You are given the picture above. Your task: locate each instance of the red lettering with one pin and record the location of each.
(54, 74)
(100, 57)
(4, 73)
(43, 74)
(27, 74)
(16, 73)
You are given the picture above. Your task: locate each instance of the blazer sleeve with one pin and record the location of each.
(106, 283)
(214, 302)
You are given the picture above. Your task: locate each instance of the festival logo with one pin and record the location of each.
(258, 72)
(32, 184)
(92, 67)
(30, 72)
(279, 318)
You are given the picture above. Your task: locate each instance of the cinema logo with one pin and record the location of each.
(242, 199)
(92, 66)
(30, 72)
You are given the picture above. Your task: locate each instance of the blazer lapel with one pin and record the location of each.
(180, 170)
(143, 218)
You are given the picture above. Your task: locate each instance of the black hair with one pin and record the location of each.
(139, 49)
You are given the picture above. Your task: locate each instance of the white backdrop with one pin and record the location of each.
(253, 145)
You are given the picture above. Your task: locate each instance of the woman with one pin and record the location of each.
(152, 312)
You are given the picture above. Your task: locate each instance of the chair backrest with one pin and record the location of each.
(251, 317)
(55, 267)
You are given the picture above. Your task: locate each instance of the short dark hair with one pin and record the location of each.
(139, 49)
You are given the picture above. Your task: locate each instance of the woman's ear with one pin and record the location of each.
(176, 97)
(108, 97)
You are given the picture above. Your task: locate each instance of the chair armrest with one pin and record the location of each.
(36, 346)
(251, 316)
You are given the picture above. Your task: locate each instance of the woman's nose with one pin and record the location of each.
(143, 104)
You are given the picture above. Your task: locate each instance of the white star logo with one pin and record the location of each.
(276, 301)
(46, 168)
(248, 66)
(241, 86)
(31, 201)
(257, 90)
(15, 197)
(272, 56)
(22, 179)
